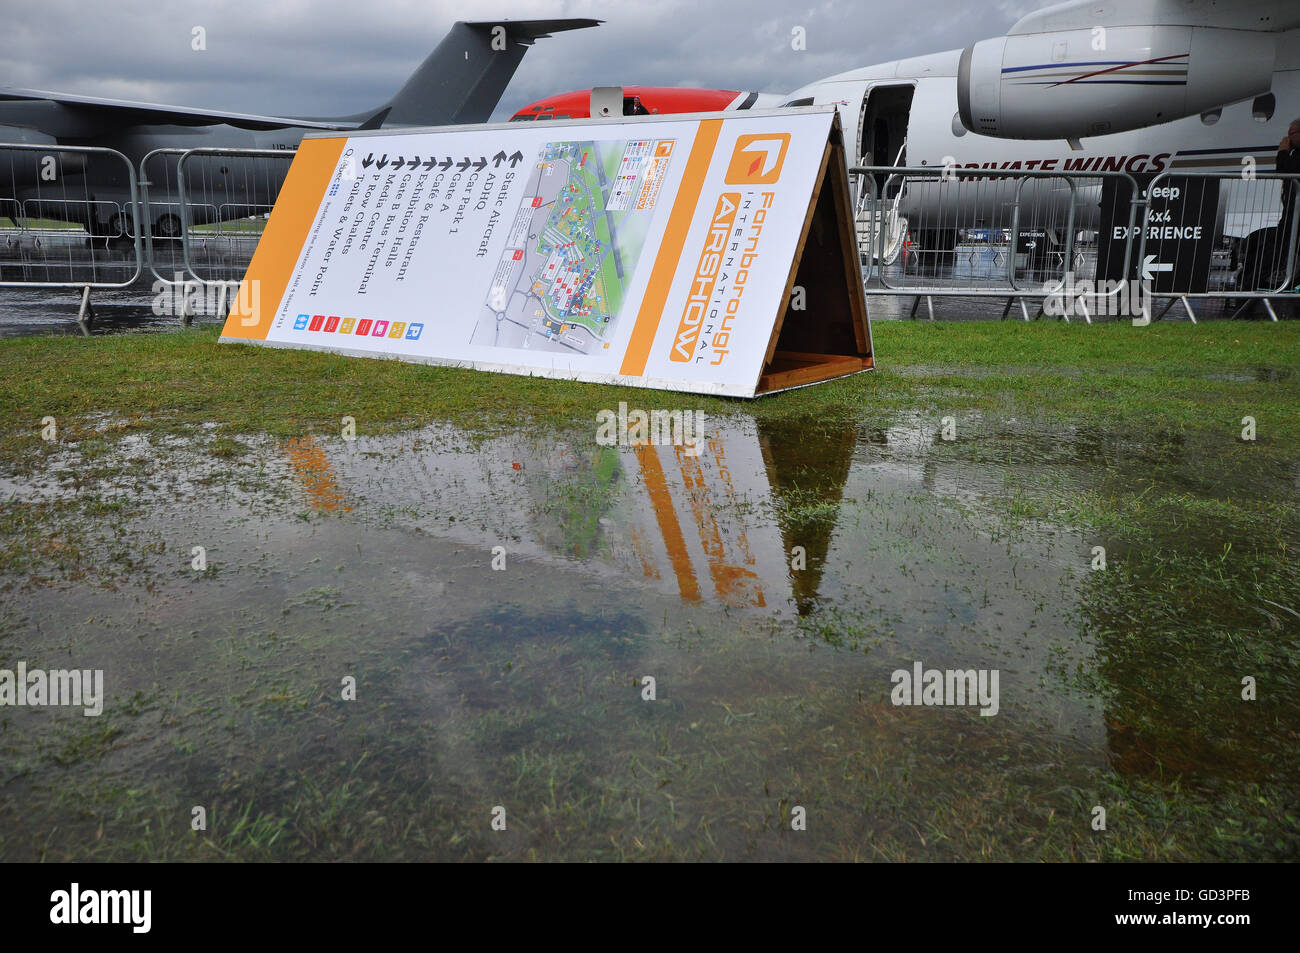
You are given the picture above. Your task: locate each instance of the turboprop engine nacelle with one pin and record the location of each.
(1094, 81)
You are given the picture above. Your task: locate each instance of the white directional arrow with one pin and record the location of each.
(1149, 265)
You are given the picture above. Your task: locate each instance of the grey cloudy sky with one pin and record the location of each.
(332, 57)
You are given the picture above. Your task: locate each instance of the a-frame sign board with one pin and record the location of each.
(712, 254)
(830, 336)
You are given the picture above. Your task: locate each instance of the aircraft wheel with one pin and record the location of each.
(167, 226)
(116, 227)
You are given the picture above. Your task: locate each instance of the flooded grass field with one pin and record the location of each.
(389, 641)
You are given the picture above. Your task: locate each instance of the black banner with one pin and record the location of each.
(333, 903)
(1180, 233)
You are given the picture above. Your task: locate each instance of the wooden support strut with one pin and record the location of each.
(799, 352)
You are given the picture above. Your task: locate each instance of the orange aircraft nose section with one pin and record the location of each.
(638, 101)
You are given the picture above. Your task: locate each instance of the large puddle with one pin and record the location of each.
(502, 603)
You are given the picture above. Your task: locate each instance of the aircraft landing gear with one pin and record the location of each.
(118, 229)
(167, 226)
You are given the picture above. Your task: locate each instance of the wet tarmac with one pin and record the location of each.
(68, 256)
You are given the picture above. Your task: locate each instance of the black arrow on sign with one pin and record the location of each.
(413, 163)
(368, 161)
(430, 162)
(517, 158)
(399, 162)
(382, 162)
(499, 158)
(478, 166)
(463, 164)
(445, 164)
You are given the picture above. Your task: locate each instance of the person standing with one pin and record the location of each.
(1288, 161)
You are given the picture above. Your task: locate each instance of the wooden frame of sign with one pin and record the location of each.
(830, 336)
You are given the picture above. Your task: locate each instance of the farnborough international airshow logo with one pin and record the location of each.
(757, 159)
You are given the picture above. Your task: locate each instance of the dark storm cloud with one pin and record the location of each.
(332, 57)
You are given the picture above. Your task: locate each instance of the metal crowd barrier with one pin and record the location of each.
(85, 217)
(1016, 235)
(1041, 236)
(63, 209)
(240, 186)
(204, 233)
(985, 233)
(222, 198)
(1253, 253)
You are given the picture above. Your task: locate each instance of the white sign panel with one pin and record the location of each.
(654, 252)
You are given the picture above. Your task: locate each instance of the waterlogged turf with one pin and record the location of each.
(776, 588)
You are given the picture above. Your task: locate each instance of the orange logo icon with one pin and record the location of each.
(758, 158)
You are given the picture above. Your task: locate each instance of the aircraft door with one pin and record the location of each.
(882, 128)
(882, 141)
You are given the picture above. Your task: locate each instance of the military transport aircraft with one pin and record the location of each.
(461, 81)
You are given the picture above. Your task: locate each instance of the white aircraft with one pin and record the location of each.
(1141, 86)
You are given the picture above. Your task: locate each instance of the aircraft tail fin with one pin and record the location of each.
(463, 78)
(377, 120)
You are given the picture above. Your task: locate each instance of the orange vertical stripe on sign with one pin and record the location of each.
(283, 238)
(670, 249)
(656, 484)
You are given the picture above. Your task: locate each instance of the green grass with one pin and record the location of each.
(38, 223)
(1162, 377)
(234, 226)
(1201, 534)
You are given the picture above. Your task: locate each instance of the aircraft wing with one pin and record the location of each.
(461, 81)
(128, 113)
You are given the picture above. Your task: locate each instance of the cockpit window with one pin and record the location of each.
(806, 101)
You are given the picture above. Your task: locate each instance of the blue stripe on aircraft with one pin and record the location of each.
(1110, 82)
(1022, 69)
